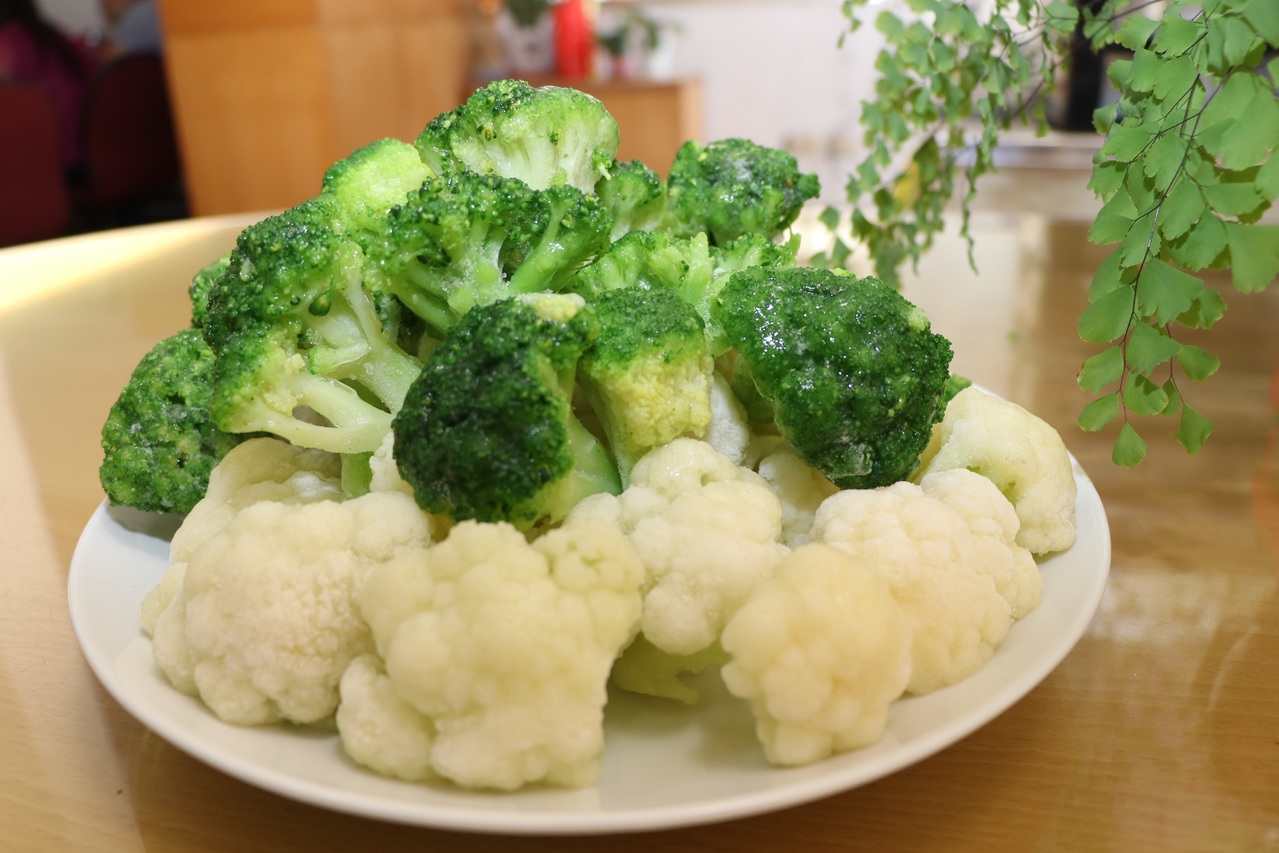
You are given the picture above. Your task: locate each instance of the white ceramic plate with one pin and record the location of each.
(665, 765)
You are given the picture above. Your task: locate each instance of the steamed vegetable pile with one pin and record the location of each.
(496, 423)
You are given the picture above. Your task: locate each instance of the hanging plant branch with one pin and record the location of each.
(1185, 172)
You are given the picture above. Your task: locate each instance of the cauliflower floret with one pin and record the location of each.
(264, 621)
(707, 531)
(1020, 453)
(379, 729)
(822, 649)
(729, 430)
(502, 649)
(934, 566)
(258, 469)
(800, 487)
(994, 524)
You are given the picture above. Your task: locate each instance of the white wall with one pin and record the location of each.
(773, 71)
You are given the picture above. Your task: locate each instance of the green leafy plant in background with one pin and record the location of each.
(1185, 172)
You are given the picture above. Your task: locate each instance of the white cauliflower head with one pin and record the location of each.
(821, 650)
(707, 531)
(501, 648)
(1020, 453)
(994, 524)
(799, 486)
(262, 618)
(934, 567)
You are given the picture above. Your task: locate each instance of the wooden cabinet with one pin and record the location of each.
(269, 93)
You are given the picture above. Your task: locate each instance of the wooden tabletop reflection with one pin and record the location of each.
(1160, 731)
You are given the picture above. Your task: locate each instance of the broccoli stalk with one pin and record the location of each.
(648, 375)
(295, 331)
(159, 441)
(545, 136)
(488, 430)
(854, 375)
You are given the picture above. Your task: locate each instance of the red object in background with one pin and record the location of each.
(574, 39)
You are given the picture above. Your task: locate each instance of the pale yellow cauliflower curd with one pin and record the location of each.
(1017, 451)
(256, 614)
(493, 656)
(707, 531)
(953, 583)
(821, 650)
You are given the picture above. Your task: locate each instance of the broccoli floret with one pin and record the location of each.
(689, 266)
(372, 180)
(202, 284)
(488, 430)
(465, 240)
(635, 196)
(649, 259)
(293, 328)
(544, 136)
(648, 375)
(853, 371)
(159, 441)
(734, 187)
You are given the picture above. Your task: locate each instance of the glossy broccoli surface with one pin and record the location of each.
(647, 377)
(733, 187)
(545, 136)
(488, 430)
(852, 371)
(159, 441)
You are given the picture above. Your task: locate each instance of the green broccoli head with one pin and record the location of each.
(544, 136)
(292, 326)
(372, 180)
(635, 196)
(488, 430)
(647, 377)
(648, 259)
(202, 284)
(159, 441)
(853, 371)
(734, 187)
(467, 239)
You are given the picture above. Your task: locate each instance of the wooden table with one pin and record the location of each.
(1159, 732)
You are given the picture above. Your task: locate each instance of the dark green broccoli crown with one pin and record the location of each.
(853, 371)
(638, 323)
(735, 186)
(370, 181)
(648, 259)
(159, 440)
(486, 431)
(573, 229)
(635, 196)
(542, 135)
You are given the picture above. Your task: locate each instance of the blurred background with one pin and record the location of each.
(240, 105)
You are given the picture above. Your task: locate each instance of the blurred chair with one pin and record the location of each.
(130, 146)
(34, 202)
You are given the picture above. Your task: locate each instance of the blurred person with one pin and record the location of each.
(34, 50)
(132, 27)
